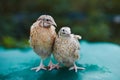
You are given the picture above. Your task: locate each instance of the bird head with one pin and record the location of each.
(64, 31)
(46, 21)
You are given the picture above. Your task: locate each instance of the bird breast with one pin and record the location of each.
(41, 36)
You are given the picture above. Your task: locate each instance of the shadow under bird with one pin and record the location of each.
(42, 36)
(67, 48)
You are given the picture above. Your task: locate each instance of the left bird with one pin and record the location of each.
(42, 37)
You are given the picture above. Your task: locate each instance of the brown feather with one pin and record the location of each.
(66, 50)
(42, 38)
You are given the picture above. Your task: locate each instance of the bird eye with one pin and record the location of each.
(47, 20)
(63, 30)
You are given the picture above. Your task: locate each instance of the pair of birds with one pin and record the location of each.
(44, 40)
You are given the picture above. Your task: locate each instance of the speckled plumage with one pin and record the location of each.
(42, 36)
(42, 39)
(66, 48)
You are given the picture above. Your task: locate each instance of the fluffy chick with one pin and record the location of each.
(42, 36)
(66, 48)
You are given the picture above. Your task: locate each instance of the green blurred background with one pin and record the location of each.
(94, 20)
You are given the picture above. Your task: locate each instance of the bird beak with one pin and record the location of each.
(54, 24)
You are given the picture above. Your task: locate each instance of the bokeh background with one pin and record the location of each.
(97, 21)
(94, 20)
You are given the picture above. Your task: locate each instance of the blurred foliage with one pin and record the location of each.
(92, 19)
(10, 42)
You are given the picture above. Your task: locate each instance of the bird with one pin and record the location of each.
(66, 49)
(42, 37)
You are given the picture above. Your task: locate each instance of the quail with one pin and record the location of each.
(67, 48)
(42, 37)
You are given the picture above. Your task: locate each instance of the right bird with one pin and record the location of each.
(67, 48)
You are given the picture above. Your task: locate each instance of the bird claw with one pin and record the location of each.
(52, 66)
(57, 66)
(39, 68)
(76, 68)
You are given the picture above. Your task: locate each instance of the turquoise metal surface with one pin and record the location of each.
(101, 60)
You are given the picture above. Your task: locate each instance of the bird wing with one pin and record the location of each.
(76, 36)
(74, 49)
(33, 34)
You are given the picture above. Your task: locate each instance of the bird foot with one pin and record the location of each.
(57, 66)
(76, 68)
(53, 66)
(39, 68)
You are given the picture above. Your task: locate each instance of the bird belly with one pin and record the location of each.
(62, 53)
(41, 51)
(42, 41)
(65, 60)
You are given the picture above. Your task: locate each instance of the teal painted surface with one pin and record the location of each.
(101, 60)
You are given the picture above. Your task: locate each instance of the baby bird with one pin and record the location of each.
(67, 48)
(42, 36)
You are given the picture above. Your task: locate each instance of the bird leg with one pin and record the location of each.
(52, 66)
(76, 68)
(41, 66)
